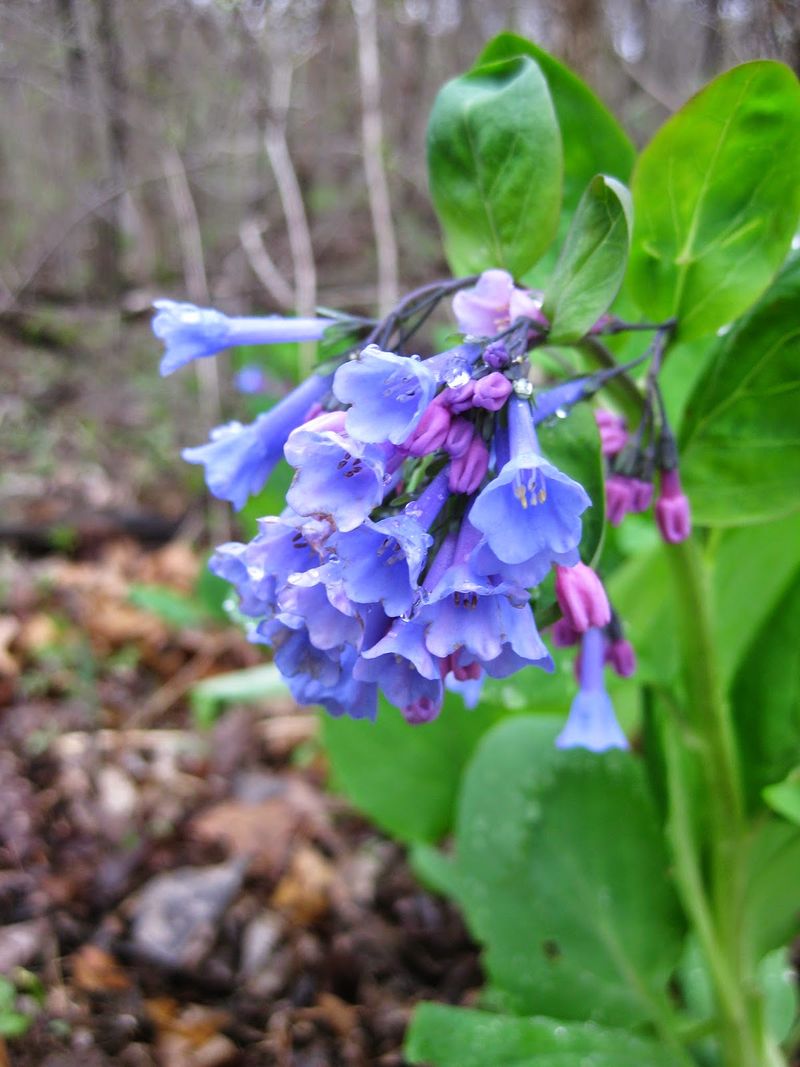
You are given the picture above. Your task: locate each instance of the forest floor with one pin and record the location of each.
(171, 894)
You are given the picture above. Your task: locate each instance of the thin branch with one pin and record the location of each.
(372, 137)
(275, 142)
(263, 265)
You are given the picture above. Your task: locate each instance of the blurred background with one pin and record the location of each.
(260, 157)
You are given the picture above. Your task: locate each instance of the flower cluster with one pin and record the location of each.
(421, 515)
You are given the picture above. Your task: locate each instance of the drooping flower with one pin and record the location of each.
(380, 562)
(387, 394)
(592, 723)
(673, 512)
(492, 304)
(337, 478)
(191, 333)
(581, 597)
(530, 507)
(239, 459)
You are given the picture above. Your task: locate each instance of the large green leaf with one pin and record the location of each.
(766, 697)
(741, 433)
(771, 916)
(717, 199)
(753, 567)
(594, 142)
(406, 778)
(495, 165)
(573, 445)
(592, 262)
(458, 1037)
(578, 920)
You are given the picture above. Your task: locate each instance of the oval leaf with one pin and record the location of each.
(576, 923)
(741, 448)
(459, 1037)
(495, 165)
(592, 263)
(717, 199)
(594, 142)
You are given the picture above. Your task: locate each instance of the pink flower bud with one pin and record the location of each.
(459, 437)
(469, 673)
(581, 597)
(492, 391)
(422, 710)
(496, 355)
(673, 513)
(431, 432)
(458, 399)
(613, 433)
(621, 657)
(468, 470)
(641, 494)
(619, 498)
(563, 635)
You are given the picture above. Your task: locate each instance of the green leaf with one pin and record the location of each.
(592, 262)
(771, 916)
(210, 697)
(459, 1037)
(594, 142)
(784, 797)
(779, 986)
(495, 165)
(716, 199)
(561, 871)
(765, 697)
(741, 436)
(406, 778)
(641, 591)
(573, 445)
(753, 567)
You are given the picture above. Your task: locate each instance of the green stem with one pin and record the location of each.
(718, 921)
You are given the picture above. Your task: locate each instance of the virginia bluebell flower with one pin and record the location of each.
(493, 303)
(191, 333)
(239, 459)
(387, 394)
(530, 507)
(592, 723)
(339, 478)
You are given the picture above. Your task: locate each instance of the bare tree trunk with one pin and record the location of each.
(111, 271)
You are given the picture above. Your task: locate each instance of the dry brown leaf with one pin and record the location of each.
(304, 892)
(261, 832)
(96, 971)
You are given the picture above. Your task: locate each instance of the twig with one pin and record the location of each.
(263, 266)
(305, 272)
(372, 137)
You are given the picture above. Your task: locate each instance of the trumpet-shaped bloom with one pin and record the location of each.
(492, 304)
(338, 478)
(191, 333)
(239, 459)
(592, 723)
(387, 394)
(531, 507)
(380, 562)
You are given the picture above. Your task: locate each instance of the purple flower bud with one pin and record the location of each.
(581, 597)
(496, 355)
(563, 635)
(459, 438)
(468, 470)
(673, 514)
(458, 399)
(621, 657)
(431, 432)
(492, 391)
(641, 494)
(613, 432)
(619, 498)
(250, 380)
